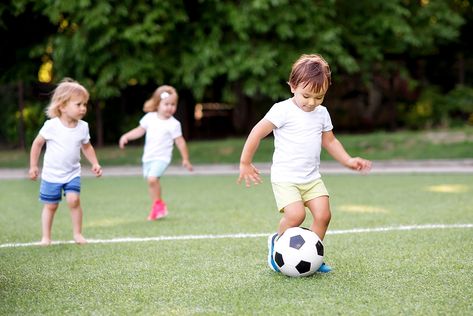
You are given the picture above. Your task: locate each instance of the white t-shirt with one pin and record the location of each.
(160, 135)
(61, 161)
(297, 141)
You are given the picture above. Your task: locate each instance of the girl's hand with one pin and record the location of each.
(33, 173)
(359, 164)
(249, 173)
(187, 164)
(97, 170)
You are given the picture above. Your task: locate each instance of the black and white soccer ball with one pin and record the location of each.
(298, 252)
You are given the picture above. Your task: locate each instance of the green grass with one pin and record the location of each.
(440, 144)
(418, 272)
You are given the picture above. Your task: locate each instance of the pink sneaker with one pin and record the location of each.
(155, 210)
(163, 210)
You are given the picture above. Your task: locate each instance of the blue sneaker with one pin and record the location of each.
(324, 268)
(272, 265)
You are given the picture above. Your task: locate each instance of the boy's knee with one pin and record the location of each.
(325, 217)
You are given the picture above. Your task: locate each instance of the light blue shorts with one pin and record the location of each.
(154, 168)
(50, 193)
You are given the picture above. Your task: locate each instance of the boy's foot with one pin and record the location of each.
(79, 239)
(271, 263)
(324, 268)
(163, 210)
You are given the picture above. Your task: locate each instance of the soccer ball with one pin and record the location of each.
(298, 252)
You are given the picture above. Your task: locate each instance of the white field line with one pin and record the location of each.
(241, 235)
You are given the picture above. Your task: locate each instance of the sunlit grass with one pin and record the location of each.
(415, 272)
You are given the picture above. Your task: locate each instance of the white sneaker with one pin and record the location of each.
(271, 263)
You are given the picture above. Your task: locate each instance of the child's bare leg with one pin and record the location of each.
(154, 188)
(294, 215)
(47, 216)
(320, 209)
(73, 201)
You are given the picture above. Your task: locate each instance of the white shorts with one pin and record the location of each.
(286, 193)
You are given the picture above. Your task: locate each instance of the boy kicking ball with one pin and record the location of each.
(301, 126)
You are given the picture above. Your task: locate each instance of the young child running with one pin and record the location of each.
(162, 130)
(64, 134)
(301, 126)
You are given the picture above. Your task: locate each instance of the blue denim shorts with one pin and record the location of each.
(154, 168)
(50, 193)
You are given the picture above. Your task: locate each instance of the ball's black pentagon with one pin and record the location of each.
(303, 267)
(296, 242)
(320, 248)
(279, 260)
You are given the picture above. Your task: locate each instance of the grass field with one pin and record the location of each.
(405, 145)
(418, 271)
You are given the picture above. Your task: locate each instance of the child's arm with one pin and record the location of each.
(38, 143)
(338, 152)
(89, 153)
(182, 146)
(248, 172)
(135, 133)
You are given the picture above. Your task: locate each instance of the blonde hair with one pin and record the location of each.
(162, 92)
(311, 70)
(63, 93)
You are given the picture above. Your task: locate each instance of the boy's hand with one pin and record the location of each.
(97, 170)
(187, 164)
(33, 173)
(359, 164)
(123, 141)
(249, 173)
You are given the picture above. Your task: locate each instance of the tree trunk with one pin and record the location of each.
(21, 120)
(99, 124)
(241, 112)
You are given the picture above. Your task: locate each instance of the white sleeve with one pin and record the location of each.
(177, 130)
(47, 131)
(327, 125)
(144, 122)
(276, 115)
(86, 138)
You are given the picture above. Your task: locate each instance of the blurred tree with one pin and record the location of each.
(21, 29)
(239, 52)
(108, 45)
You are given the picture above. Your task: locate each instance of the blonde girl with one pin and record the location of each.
(65, 135)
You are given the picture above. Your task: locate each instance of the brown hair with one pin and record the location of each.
(310, 70)
(61, 95)
(151, 105)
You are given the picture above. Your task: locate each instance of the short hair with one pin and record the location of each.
(151, 105)
(312, 71)
(63, 93)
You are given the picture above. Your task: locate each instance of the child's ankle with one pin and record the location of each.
(79, 239)
(45, 241)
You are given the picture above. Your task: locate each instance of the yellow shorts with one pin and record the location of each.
(287, 193)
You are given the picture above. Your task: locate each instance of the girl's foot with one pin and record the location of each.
(163, 210)
(155, 210)
(79, 239)
(45, 241)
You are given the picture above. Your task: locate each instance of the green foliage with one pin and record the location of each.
(434, 108)
(224, 51)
